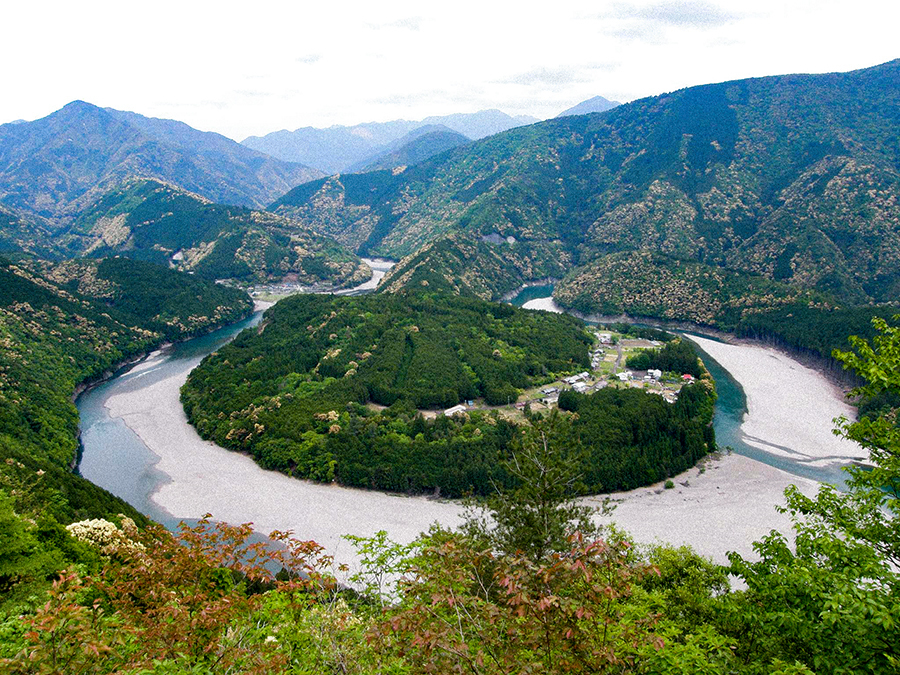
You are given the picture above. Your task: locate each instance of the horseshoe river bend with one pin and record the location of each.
(774, 413)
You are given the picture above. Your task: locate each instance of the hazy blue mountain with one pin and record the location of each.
(53, 167)
(592, 105)
(416, 146)
(337, 148)
(480, 124)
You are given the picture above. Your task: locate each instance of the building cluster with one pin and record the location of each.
(583, 382)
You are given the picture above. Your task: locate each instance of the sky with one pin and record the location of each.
(245, 69)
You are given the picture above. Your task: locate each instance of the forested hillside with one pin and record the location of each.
(149, 220)
(70, 325)
(298, 396)
(793, 179)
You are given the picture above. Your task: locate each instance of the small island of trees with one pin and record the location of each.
(340, 389)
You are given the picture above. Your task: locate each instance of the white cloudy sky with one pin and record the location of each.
(253, 67)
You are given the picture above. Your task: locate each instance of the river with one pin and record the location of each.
(137, 444)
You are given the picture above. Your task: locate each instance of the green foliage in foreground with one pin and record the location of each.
(292, 396)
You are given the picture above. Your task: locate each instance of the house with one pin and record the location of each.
(654, 373)
(550, 400)
(455, 410)
(624, 376)
(550, 390)
(605, 338)
(580, 387)
(687, 378)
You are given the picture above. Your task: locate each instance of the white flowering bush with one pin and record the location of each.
(105, 535)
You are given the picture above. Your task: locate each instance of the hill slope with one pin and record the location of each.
(794, 178)
(149, 220)
(54, 166)
(62, 325)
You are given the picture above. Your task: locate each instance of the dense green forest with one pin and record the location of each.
(646, 284)
(62, 325)
(295, 394)
(630, 438)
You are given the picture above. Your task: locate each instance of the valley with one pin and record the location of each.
(177, 475)
(488, 393)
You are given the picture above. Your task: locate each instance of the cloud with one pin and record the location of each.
(411, 98)
(683, 13)
(413, 23)
(554, 77)
(559, 77)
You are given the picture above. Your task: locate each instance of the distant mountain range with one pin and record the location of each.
(413, 148)
(54, 167)
(338, 148)
(597, 104)
(792, 179)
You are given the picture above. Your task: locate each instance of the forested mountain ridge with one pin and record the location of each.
(149, 220)
(794, 178)
(56, 165)
(64, 324)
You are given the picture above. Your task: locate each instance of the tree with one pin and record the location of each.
(833, 599)
(537, 514)
(466, 610)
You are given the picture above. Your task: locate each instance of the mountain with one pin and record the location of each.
(338, 148)
(413, 148)
(481, 124)
(592, 105)
(53, 167)
(792, 178)
(149, 220)
(24, 234)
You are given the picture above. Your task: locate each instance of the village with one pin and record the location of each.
(609, 359)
